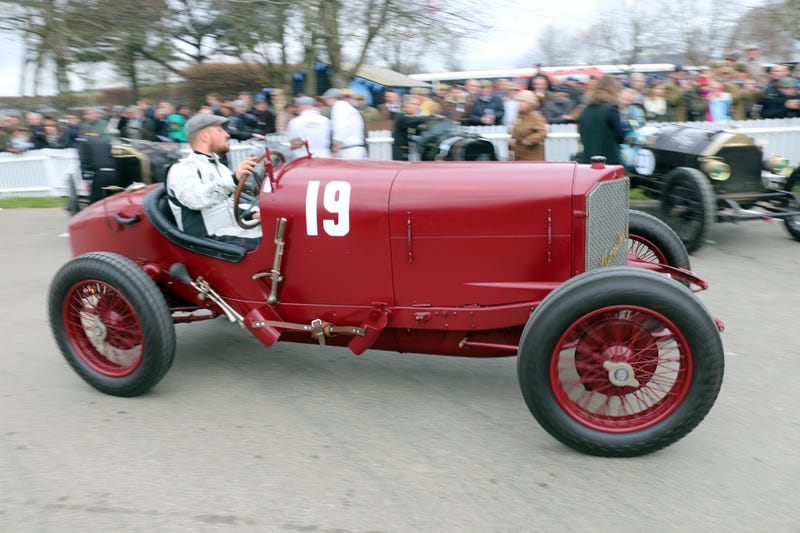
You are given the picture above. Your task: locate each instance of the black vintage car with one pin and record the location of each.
(445, 140)
(107, 168)
(703, 175)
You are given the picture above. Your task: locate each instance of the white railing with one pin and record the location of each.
(778, 136)
(379, 145)
(46, 172)
(561, 143)
(38, 173)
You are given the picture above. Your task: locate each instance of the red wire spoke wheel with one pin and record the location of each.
(620, 362)
(621, 369)
(651, 240)
(102, 326)
(641, 249)
(111, 323)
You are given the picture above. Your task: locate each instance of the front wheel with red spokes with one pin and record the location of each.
(111, 323)
(620, 362)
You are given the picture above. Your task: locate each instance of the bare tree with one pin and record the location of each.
(129, 34)
(44, 30)
(195, 26)
(259, 34)
(624, 33)
(273, 36)
(705, 28)
(416, 32)
(395, 32)
(774, 27)
(550, 49)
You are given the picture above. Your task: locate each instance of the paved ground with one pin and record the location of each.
(238, 437)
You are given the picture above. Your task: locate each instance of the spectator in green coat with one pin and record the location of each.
(176, 132)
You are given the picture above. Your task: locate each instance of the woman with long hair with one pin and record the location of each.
(599, 123)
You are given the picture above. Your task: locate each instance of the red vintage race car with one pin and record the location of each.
(616, 354)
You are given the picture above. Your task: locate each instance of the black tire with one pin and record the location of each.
(641, 322)
(73, 202)
(793, 223)
(688, 205)
(111, 323)
(650, 239)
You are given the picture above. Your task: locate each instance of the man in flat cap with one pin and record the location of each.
(199, 186)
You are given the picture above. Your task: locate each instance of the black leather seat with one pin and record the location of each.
(156, 207)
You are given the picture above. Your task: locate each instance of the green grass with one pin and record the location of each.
(49, 201)
(638, 194)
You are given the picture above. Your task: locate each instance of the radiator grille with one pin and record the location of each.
(607, 224)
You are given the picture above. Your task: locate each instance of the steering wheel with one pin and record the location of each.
(237, 196)
(277, 158)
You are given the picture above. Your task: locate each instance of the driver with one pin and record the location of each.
(199, 187)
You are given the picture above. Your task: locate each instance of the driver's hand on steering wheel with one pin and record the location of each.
(246, 168)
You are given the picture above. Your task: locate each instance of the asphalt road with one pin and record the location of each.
(238, 437)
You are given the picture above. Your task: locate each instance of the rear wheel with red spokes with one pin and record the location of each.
(111, 323)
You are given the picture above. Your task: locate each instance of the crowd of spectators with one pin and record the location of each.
(163, 121)
(735, 88)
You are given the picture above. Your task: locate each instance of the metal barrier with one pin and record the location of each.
(47, 172)
(379, 147)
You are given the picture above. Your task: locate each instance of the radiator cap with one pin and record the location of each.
(598, 161)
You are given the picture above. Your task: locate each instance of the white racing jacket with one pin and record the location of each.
(204, 184)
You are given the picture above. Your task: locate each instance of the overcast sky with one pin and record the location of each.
(505, 47)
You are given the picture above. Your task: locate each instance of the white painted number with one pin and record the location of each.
(336, 201)
(311, 208)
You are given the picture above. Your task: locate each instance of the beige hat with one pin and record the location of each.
(527, 96)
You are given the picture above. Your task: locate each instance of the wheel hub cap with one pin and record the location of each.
(621, 374)
(96, 330)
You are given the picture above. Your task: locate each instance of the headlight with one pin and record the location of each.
(716, 169)
(778, 165)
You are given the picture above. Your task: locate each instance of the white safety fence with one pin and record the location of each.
(38, 172)
(47, 172)
(776, 136)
